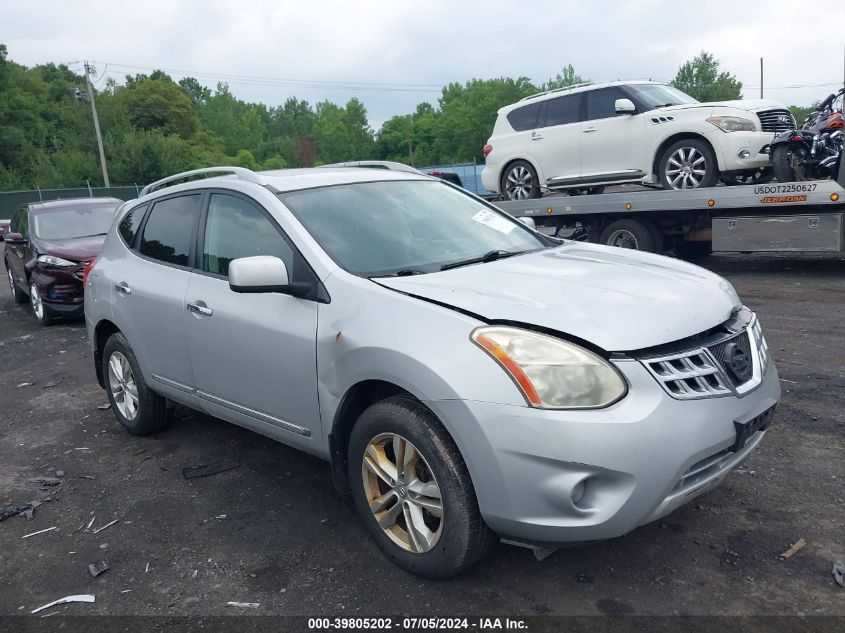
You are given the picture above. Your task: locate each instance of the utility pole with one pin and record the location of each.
(761, 77)
(96, 125)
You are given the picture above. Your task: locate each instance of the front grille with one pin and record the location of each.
(720, 353)
(776, 120)
(714, 369)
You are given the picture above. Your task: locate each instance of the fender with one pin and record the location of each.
(788, 136)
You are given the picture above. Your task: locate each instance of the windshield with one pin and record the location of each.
(405, 227)
(67, 223)
(657, 95)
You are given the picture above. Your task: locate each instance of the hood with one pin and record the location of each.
(617, 299)
(750, 105)
(79, 249)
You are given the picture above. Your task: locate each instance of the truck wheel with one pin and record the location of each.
(519, 181)
(786, 162)
(633, 234)
(413, 492)
(688, 164)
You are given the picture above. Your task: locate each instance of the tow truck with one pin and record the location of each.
(777, 217)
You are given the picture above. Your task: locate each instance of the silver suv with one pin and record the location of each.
(467, 377)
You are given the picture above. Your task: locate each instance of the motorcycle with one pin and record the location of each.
(814, 151)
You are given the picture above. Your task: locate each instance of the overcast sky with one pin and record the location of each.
(418, 46)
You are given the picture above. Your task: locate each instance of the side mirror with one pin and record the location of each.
(261, 273)
(14, 238)
(529, 222)
(625, 106)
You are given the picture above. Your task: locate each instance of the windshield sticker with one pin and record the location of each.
(494, 221)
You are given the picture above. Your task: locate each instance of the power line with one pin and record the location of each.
(289, 82)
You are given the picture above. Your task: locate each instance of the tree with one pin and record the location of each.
(700, 78)
(160, 104)
(567, 77)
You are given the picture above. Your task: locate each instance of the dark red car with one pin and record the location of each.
(47, 248)
(4, 228)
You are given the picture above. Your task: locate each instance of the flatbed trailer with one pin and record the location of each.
(777, 217)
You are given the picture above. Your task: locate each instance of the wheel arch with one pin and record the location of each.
(682, 136)
(353, 403)
(102, 332)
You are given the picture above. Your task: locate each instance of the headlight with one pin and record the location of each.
(552, 373)
(57, 262)
(733, 124)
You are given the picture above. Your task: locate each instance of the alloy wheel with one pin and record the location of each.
(122, 385)
(35, 300)
(519, 183)
(686, 168)
(11, 281)
(402, 493)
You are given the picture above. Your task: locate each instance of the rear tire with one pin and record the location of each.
(784, 164)
(135, 405)
(688, 164)
(519, 182)
(18, 295)
(633, 234)
(436, 482)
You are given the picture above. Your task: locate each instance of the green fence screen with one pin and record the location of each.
(11, 200)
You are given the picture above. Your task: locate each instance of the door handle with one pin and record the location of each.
(536, 137)
(198, 309)
(123, 287)
(591, 129)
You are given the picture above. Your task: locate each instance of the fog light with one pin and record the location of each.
(578, 491)
(744, 154)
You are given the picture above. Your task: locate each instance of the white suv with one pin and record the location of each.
(587, 136)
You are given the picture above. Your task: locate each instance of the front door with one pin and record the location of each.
(254, 355)
(16, 254)
(555, 144)
(611, 144)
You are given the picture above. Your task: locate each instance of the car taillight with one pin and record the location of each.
(87, 270)
(487, 150)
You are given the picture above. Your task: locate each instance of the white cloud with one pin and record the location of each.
(431, 42)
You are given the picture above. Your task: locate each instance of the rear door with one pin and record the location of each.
(555, 143)
(611, 144)
(254, 355)
(148, 291)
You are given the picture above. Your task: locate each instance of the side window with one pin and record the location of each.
(563, 110)
(171, 229)
(524, 118)
(236, 228)
(601, 104)
(14, 225)
(129, 224)
(23, 229)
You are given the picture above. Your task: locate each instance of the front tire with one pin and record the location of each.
(519, 182)
(412, 489)
(135, 405)
(40, 310)
(688, 164)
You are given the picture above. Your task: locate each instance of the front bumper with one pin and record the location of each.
(61, 291)
(640, 458)
(732, 146)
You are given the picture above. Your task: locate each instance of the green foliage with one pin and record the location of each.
(800, 113)
(566, 77)
(700, 78)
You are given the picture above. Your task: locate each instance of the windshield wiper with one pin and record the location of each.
(489, 256)
(407, 272)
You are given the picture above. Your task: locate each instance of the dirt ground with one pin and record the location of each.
(273, 532)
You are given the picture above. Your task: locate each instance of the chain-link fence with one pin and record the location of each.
(11, 200)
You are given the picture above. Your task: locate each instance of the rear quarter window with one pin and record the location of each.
(129, 224)
(524, 118)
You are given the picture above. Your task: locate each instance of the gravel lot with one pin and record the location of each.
(273, 532)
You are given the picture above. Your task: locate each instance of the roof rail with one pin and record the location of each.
(241, 173)
(563, 89)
